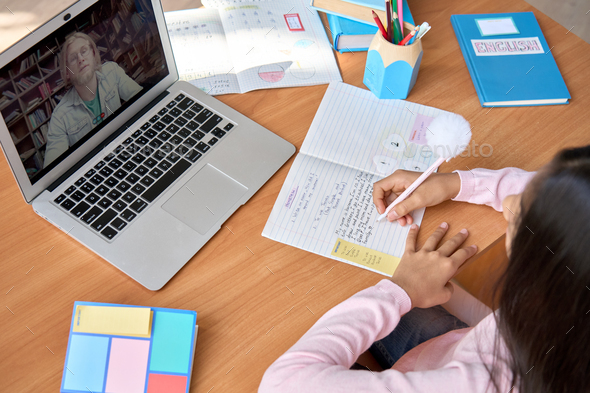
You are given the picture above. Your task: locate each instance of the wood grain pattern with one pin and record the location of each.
(247, 315)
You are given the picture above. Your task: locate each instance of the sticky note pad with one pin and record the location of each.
(165, 383)
(127, 365)
(172, 342)
(119, 321)
(364, 256)
(86, 363)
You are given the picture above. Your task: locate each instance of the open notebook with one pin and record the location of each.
(239, 46)
(325, 205)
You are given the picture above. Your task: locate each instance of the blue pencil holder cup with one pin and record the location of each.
(391, 69)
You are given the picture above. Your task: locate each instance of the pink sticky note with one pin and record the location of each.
(127, 365)
(418, 133)
(163, 383)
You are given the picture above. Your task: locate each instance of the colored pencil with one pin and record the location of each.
(393, 9)
(389, 22)
(396, 29)
(379, 25)
(408, 37)
(400, 13)
(414, 37)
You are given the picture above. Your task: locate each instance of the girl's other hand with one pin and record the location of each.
(436, 189)
(425, 274)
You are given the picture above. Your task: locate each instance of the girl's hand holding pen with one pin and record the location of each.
(436, 189)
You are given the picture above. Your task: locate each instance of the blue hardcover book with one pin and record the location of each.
(349, 35)
(358, 10)
(509, 60)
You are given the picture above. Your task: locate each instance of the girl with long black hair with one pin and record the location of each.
(537, 341)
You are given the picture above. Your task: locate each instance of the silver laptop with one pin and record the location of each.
(110, 147)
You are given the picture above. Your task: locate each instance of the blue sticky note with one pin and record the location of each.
(172, 342)
(86, 363)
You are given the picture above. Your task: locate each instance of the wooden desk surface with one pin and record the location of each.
(247, 315)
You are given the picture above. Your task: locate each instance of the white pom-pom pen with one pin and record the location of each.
(448, 131)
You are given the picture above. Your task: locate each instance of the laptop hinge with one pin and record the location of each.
(104, 143)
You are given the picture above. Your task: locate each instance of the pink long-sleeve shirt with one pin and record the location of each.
(454, 362)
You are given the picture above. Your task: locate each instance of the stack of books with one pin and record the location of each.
(26, 63)
(12, 116)
(351, 23)
(117, 23)
(9, 94)
(3, 100)
(31, 104)
(40, 136)
(37, 117)
(25, 83)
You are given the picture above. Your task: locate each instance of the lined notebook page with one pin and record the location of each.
(354, 141)
(352, 127)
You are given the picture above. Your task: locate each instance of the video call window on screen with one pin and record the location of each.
(64, 89)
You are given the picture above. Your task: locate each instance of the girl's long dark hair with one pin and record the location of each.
(544, 294)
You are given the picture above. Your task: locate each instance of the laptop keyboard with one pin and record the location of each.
(120, 187)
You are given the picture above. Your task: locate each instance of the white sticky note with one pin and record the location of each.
(385, 165)
(496, 26)
(415, 166)
(395, 142)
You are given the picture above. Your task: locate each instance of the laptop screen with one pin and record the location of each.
(69, 86)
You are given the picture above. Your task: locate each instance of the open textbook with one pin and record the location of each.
(239, 46)
(325, 205)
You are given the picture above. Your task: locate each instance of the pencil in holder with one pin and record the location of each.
(391, 69)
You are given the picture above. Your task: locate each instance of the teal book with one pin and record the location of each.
(509, 60)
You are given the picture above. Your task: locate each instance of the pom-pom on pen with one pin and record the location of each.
(424, 28)
(448, 131)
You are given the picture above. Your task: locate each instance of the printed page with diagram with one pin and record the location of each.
(239, 46)
(271, 44)
(200, 50)
(203, 57)
(263, 35)
(325, 205)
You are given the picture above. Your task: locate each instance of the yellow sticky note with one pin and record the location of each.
(118, 321)
(364, 256)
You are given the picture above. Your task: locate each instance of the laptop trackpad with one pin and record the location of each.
(204, 199)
